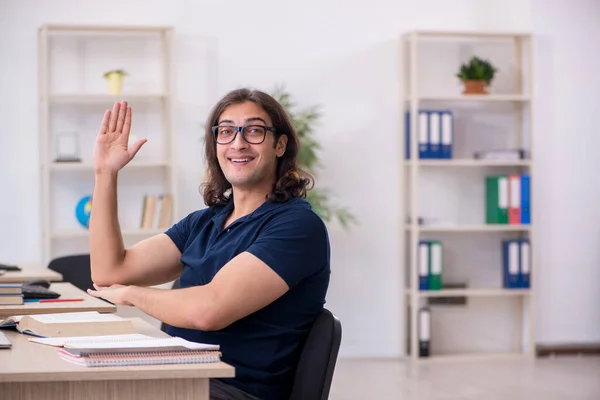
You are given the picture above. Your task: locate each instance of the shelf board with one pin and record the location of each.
(104, 98)
(468, 162)
(473, 97)
(75, 233)
(471, 228)
(104, 28)
(471, 357)
(492, 292)
(66, 166)
(472, 34)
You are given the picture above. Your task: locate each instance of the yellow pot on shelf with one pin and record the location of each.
(115, 81)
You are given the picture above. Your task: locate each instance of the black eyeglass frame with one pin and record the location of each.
(241, 129)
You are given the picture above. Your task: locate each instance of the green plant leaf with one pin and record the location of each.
(305, 121)
(477, 69)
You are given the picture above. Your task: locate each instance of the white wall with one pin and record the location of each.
(339, 54)
(567, 64)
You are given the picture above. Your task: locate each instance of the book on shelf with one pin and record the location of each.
(424, 332)
(516, 264)
(86, 323)
(131, 349)
(430, 264)
(508, 199)
(157, 211)
(501, 155)
(435, 134)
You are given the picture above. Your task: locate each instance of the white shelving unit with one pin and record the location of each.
(510, 93)
(73, 95)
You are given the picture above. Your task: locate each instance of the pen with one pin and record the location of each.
(51, 300)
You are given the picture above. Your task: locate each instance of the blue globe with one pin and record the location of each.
(83, 210)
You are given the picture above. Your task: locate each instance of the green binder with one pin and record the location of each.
(496, 199)
(435, 265)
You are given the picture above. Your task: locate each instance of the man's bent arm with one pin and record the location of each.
(244, 285)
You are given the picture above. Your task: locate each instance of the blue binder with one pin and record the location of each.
(524, 264)
(447, 126)
(423, 264)
(423, 137)
(525, 200)
(435, 134)
(510, 264)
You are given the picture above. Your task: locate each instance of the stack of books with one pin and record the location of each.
(435, 133)
(157, 211)
(131, 349)
(108, 351)
(516, 264)
(430, 265)
(93, 339)
(507, 199)
(10, 294)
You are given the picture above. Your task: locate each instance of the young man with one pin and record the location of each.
(253, 265)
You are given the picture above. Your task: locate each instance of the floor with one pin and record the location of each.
(561, 378)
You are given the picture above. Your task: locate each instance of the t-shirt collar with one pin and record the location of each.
(224, 211)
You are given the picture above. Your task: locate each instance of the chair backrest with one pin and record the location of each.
(75, 269)
(318, 358)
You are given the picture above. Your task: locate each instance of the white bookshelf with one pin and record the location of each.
(73, 95)
(511, 95)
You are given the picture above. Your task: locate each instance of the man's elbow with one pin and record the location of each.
(208, 319)
(101, 279)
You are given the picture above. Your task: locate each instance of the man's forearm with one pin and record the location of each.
(106, 243)
(184, 308)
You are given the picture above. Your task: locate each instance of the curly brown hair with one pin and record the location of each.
(291, 181)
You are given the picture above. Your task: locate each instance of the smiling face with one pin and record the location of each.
(247, 165)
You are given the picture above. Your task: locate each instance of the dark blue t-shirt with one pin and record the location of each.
(290, 238)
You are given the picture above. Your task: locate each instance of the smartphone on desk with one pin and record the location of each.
(4, 342)
(6, 267)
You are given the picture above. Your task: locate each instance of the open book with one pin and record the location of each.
(88, 323)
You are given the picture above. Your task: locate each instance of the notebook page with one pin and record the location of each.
(86, 316)
(154, 343)
(60, 341)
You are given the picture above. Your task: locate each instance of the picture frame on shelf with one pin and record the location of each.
(67, 147)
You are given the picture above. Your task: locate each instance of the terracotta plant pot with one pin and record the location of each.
(475, 87)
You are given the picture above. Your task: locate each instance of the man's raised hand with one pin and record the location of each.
(111, 152)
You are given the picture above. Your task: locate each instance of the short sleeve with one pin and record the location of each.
(180, 231)
(294, 244)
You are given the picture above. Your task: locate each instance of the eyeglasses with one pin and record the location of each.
(253, 134)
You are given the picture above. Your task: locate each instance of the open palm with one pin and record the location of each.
(112, 152)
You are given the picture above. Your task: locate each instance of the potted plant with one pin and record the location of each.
(476, 75)
(115, 80)
(304, 121)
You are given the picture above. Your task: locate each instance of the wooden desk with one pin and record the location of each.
(28, 273)
(67, 291)
(32, 371)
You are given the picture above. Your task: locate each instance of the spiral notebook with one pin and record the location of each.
(131, 349)
(142, 358)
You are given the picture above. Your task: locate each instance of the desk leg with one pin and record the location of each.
(173, 389)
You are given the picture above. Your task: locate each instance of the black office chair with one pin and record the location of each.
(318, 358)
(75, 269)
